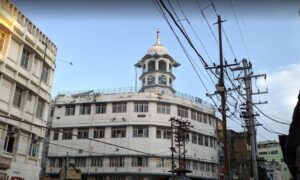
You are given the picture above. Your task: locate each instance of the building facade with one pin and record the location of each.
(270, 151)
(27, 63)
(239, 153)
(125, 134)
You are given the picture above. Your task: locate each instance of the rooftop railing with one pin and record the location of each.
(108, 91)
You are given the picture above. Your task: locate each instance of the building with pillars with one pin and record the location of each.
(98, 131)
(27, 63)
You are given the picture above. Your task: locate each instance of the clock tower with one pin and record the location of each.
(157, 67)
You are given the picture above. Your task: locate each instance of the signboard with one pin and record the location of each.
(5, 162)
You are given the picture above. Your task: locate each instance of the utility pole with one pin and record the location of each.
(179, 131)
(221, 91)
(249, 115)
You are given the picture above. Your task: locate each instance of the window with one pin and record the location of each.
(195, 115)
(140, 107)
(118, 132)
(163, 133)
(117, 177)
(99, 132)
(70, 110)
(162, 65)
(33, 147)
(195, 165)
(207, 167)
(206, 140)
(9, 143)
(200, 139)
(187, 137)
(139, 161)
(201, 166)
(19, 93)
(2, 40)
(163, 108)
(67, 133)
(209, 119)
(116, 162)
(97, 162)
(140, 132)
(160, 162)
(187, 164)
(263, 153)
(211, 142)
(52, 162)
(167, 134)
(274, 152)
(151, 66)
(151, 80)
(52, 110)
(55, 135)
(45, 73)
(205, 118)
(60, 162)
(158, 133)
(162, 80)
(80, 162)
(194, 138)
(101, 108)
(213, 168)
(83, 133)
(182, 111)
(119, 107)
(25, 59)
(40, 108)
(85, 109)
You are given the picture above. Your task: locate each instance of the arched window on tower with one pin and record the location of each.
(143, 81)
(162, 65)
(162, 79)
(151, 80)
(170, 67)
(170, 82)
(151, 65)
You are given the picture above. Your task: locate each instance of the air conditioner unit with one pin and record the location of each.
(34, 138)
(13, 130)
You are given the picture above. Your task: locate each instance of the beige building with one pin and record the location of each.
(27, 63)
(135, 120)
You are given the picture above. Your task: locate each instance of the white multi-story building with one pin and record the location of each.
(27, 63)
(92, 128)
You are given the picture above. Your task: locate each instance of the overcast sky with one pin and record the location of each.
(105, 39)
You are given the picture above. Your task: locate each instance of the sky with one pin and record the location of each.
(104, 39)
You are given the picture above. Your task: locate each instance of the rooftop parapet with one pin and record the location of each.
(16, 16)
(127, 90)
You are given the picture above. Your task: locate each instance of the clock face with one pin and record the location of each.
(162, 80)
(151, 80)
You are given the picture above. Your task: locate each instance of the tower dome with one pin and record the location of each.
(157, 48)
(157, 67)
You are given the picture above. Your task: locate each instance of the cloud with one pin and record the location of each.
(283, 86)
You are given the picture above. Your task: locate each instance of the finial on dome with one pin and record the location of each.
(157, 37)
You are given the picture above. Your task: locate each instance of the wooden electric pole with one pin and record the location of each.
(221, 91)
